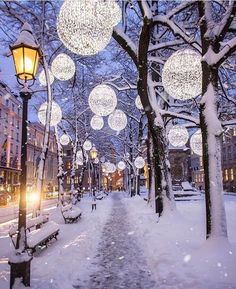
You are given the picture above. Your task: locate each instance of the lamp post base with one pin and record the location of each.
(20, 270)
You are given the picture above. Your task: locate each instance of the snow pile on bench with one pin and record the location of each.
(71, 214)
(37, 236)
(66, 208)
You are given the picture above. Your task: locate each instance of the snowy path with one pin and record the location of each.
(120, 261)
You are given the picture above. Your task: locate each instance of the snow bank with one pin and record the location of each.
(176, 249)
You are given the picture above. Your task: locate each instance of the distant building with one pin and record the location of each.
(228, 164)
(10, 140)
(34, 149)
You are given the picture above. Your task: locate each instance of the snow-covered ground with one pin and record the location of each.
(59, 265)
(123, 245)
(176, 249)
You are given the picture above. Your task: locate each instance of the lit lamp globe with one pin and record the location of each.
(63, 67)
(117, 120)
(26, 53)
(64, 139)
(81, 26)
(110, 168)
(139, 162)
(178, 136)
(42, 78)
(97, 122)
(102, 100)
(56, 113)
(182, 74)
(196, 142)
(111, 12)
(96, 161)
(87, 145)
(93, 153)
(138, 103)
(121, 165)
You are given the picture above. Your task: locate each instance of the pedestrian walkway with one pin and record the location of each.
(120, 261)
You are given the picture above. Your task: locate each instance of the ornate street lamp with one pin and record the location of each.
(26, 53)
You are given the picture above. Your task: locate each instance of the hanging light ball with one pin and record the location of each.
(196, 142)
(87, 145)
(63, 67)
(111, 12)
(81, 26)
(42, 78)
(109, 167)
(80, 157)
(138, 103)
(182, 74)
(56, 113)
(121, 165)
(102, 100)
(178, 136)
(64, 139)
(139, 162)
(96, 161)
(117, 120)
(97, 122)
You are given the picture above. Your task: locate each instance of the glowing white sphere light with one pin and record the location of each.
(63, 67)
(121, 165)
(139, 162)
(64, 139)
(182, 74)
(178, 136)
(56, 114)
(117, 120)
(97, 122)
(102, 100)
(196, 142)
(81, 26)
(42, 78)
(87, 145)
(138, 103)
(111, 12)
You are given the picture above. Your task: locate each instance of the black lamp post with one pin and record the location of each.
(26, 55)
(93, 155)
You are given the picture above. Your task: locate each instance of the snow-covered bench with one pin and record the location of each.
(41, 237)
(30, 223)
(70, 213)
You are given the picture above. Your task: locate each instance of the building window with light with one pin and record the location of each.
(76, 179)
(226, 175)
(67, 180)
(234, 132)
(68, 165)
(232, 174)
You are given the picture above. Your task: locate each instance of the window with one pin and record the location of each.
(18, 110)
(18, 124)
(232, 174)
(17, 136)
(76, 179)
(234, 132)
(7, 102)
(0, 113)
(67, 180)
(12, 134)
(226, 175)
(17, 149)
(68, 165)
(6, 117)
(13, 107)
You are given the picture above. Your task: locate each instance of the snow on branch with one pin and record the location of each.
(217, 59)
(145, 9)
(179, 116)
(177, 30)
(126, 43)
(165, 45)
(180, 8)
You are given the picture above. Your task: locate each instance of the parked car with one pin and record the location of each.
(4, 198)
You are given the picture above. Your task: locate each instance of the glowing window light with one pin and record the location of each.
(139, 162)
(178, 136)
(63, 67)
(64, 139)
(87, 145)
(56, 114)
(97, 122)
(138, 103)
(196, 142)
(182, 74)
(81, 26)
(117, 120)
(102, 100)
(121, 165)
(42, 78)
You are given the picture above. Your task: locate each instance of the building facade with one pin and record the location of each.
(10, 141)
(34, 149)
(228, 164)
